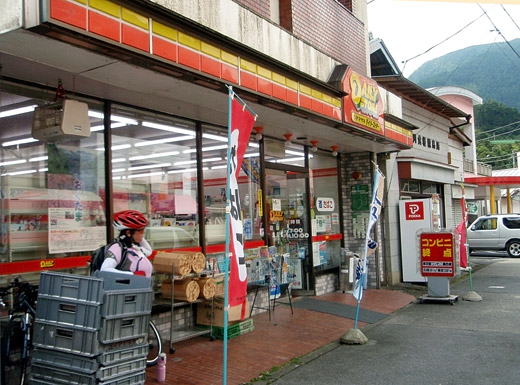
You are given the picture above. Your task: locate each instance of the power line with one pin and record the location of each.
(479, 136)
(514, 22)
(500, 33)
(443, 41)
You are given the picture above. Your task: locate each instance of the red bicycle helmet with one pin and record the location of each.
(129, 220)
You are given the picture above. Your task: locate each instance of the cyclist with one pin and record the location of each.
(131, 225)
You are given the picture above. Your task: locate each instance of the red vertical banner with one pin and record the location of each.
(241, 126)
(461, 229)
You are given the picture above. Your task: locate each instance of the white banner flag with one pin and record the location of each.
(370, 245)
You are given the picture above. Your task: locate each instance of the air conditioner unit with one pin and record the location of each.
(64, 119)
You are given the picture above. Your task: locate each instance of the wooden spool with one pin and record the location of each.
(179, 263)
(185, 290)
(207, 287)
(198, 263)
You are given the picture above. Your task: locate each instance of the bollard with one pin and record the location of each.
(161, 368)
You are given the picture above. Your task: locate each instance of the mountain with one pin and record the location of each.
(490, 70)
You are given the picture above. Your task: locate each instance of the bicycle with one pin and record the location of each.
(17, 335)
(154, 345)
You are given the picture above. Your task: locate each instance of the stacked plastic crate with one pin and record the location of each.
(91, 330)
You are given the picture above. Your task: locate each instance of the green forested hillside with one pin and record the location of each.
(490, 70)
(497, 129)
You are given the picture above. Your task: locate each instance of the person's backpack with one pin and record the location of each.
(98, 256)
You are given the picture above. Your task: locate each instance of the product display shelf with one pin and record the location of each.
(188, 332)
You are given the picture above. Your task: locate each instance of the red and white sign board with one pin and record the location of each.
(437, 254)
(414, 210)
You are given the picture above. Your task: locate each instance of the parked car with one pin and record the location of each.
(495, 232)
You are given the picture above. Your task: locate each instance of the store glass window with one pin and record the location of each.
(284, 153)
(325, 211)
(154, 171)
(53, 187)
(214, 155)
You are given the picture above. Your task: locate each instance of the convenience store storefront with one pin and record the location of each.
(157, 108)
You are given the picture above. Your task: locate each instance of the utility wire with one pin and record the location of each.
(500, 33)
(449, 37)
(513, 20)
(496, 129)
(502, 134)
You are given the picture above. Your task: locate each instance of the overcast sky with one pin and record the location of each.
(410, 27)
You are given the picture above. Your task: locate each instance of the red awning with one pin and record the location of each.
(497, 181)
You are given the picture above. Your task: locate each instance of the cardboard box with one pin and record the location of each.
(204, 312)
(219, 284)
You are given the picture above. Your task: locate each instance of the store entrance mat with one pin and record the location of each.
(338, 309)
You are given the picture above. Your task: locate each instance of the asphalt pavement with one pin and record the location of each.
(432, 343)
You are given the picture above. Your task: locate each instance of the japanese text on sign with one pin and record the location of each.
(437, 254)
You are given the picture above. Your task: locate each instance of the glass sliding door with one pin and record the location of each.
(287, 219)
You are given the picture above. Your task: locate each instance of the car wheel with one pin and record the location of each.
(513, 249)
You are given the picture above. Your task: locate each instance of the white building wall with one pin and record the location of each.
(433, 165)
(392, 240)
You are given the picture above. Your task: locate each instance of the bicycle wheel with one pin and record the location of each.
(155, 345)
(14, 358)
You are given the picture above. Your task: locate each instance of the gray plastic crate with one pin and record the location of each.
(106, 373)
(70, 361)
(123, 328)
(77, 287)
(68, 312)
(126, 302)
(136, 378)
(117, 352)
(61, 376)
(121, 281)
(66, 338)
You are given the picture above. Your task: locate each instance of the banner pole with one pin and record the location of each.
(226, 256)
(471, 295)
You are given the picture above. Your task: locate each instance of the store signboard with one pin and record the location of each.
(472, 208)
(437, 254)
(325, 204)
(363, 105)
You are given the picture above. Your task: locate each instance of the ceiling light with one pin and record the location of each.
(10, 162)
(186, 170)
(296, 159)
(158, 155)
(185, 162)
(215, 137)
(43, 169)
(212, 159)
(38, 159)
(115, 148)
(314, 147)
(19, 141)
(17, 111)
(297, 153)
(155, 165)
(219, 167)
(19, 172)
(164, 127)
(144, 175)
(118, 160)
(251, 155)
(334, 150)
(118, 170)
(102, 127)
(165, 140)
(212, 148)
